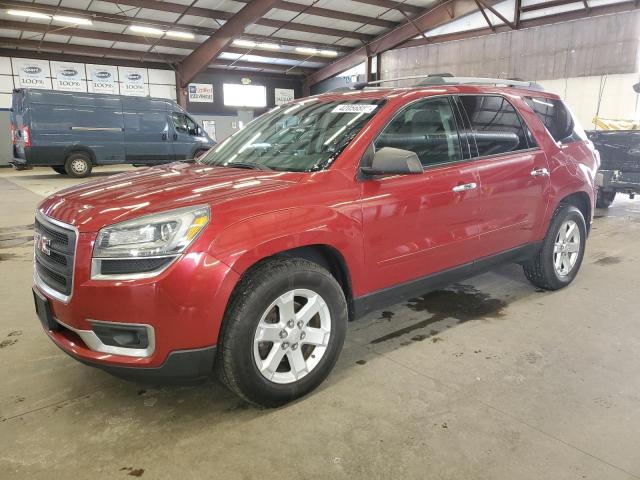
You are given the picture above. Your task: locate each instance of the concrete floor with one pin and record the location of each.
(491, 379)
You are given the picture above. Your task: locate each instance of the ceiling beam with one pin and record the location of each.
(66, 52)
(140, 40)
(333, 14)
(505, 20)
(613, 8)
(550, 4)
(392, 5)
(68, 48)
(82, 58)
(89, 33)
(427, 20)
(220, 15)
(126, 20)
(202, 56)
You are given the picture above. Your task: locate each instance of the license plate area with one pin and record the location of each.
(43, 310)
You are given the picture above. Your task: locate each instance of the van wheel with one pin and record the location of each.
(59, 169)
(283, 332)
(558, 261)
(78, 165)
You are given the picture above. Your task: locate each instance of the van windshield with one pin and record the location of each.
(301, 137)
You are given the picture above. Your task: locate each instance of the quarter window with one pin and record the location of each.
(557, 118)
(427, 128)
(496, 125)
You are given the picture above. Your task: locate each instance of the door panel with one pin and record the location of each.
(513, 200)
(147, 137)
(417, 225)
(514, 173)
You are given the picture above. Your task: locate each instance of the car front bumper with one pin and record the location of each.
(179, 311)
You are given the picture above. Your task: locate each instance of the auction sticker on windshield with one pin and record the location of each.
(354, 108)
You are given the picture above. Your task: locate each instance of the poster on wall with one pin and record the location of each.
(133, 82)
(104, 78)
(201, 93)
(284, 95)
(68, 76)
(210, 127)
(32, 73)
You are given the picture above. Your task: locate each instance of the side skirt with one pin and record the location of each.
(398, 293)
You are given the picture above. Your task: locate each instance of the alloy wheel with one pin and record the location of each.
(292, 336)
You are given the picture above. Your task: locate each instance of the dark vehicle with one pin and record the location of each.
(72, 132)
(620, 164)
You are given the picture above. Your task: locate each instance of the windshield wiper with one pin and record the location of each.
(247, 165)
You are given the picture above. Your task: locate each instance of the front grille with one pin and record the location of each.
(54, 248)
(133, 265)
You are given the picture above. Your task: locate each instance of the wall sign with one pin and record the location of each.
(133, 82)
(104, 78)
(68, 76)
(210, 127)
(284, 95)
(245, 81)
(32, 73)
(201, 93)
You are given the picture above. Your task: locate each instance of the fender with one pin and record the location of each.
(245, 243)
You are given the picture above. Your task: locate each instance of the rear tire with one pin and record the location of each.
(78, 165)
(558, 261)
(605, 199)
(282, 333)
(59, 169)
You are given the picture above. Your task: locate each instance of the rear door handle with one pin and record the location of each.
(540, 172)
(465, 187)
(164, 136)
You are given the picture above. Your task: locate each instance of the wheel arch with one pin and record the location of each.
(81, 149)
(582, 202)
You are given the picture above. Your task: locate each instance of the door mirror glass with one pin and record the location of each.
(394, 161)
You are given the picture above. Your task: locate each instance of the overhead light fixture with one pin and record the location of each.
(244, 43)
(329, 53)
(27, 13)
(179, 34)
(307, 50)
(147, 30)
(269, 46)
(74, 20)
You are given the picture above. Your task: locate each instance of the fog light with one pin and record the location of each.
(122, 335)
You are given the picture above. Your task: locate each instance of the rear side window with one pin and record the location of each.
(497, 127)
(557, 118)
(427, 128)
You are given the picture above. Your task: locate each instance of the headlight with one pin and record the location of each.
(144, 246)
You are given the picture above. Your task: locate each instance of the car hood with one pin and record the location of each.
(117, 198)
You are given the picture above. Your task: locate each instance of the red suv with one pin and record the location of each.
(253, 259)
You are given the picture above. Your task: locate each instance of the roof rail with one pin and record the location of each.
(448, 79)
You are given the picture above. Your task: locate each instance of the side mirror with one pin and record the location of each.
(394, 161)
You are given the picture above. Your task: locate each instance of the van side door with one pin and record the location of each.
(146, 137)
(514, 173)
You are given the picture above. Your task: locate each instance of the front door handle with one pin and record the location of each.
(175, 136)
(465, 187)
(540, 172)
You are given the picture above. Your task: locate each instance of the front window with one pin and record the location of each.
(303, 137)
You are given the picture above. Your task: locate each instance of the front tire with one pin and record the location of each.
(78, 165)
(558, 261)
(283, 332)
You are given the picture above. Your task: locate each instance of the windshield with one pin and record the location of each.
(301, 137)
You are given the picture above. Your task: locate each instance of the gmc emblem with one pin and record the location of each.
(42, 243)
